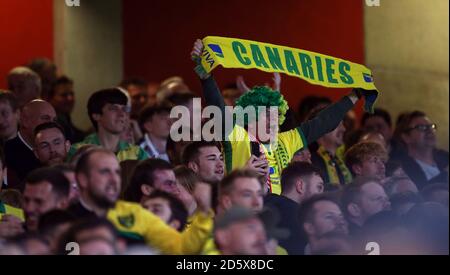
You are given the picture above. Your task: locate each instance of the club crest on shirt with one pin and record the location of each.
(126, 221)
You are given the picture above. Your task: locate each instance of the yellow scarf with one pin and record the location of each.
(317, 69)
(332, 165)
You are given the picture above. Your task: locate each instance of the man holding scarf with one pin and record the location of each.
(243, 144)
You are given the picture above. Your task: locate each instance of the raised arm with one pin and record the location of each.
(211, 91)
(329, 118)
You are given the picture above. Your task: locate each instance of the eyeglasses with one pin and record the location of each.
(423, 127)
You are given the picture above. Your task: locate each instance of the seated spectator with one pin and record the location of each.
(366, 159)
(127, 168)
(429, 224)
(52, 225)
(362, 199)
(108, 113)
(205, 159)
(175, 150)
(19, 155)
(183, 99)
(28, 244)
(12, 198)
(80, 152)
(326, 156)
(11, 224)
(333, 243)
(379, 228)
(380, 121)
(299, 181)
(45, 189)
(25, 84)
(395, 185)
(170, 209)
(137, 89)
(374, 137)
(350, 123)
(152, 89)
(128, 134)
(50, 144)
(436, 192)
(93, 236)
(394, 169)
(46, 70)
(242, 188)
(186, 182)
(352, 138)
(423, 163)
(150, 175)
(240, 231)
(98, 176)
(319, 215)
(170, 87)
(62, 98)
(302, 155)
(69, 172)
(401, 203)
(132, 132)
(155, 123)
(10, 115)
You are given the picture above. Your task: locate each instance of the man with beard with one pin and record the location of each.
(45, 189)
(109, 114)
(19, 155)
(299, 181)
(50, 143)
(318, 216)
(98, 175)
(361, 200)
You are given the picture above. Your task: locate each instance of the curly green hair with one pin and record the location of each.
(263, 96)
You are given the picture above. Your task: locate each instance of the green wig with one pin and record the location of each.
(261, 96)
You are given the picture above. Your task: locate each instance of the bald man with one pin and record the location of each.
(19, 156)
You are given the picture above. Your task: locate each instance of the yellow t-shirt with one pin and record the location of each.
(237, 152)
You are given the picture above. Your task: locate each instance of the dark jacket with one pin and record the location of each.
(20, 160)
(287, 209)
(415, 172)
(71, 131)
